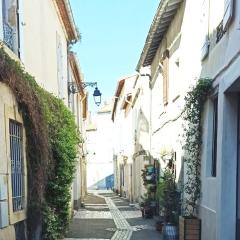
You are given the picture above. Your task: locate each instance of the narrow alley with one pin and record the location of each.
(107, 216)
(119, 120)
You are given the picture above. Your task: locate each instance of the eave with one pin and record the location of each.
(127, 100)
(66, 16)
(116, 96)
(161, 22)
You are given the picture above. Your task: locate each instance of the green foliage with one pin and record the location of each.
(149, 181)
(51, 227)
(168, 196)
(194, 103)
(52, 145)
(64, 139)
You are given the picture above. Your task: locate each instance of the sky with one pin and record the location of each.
(113, 33)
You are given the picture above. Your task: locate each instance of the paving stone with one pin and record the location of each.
(91, 228)
(93, 199)
(131, 214)
(85, 214)
(112, 220)
(85, 239)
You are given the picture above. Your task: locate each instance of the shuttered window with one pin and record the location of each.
(165, 63)
(204, 24)
(228, 13)
(60, 67)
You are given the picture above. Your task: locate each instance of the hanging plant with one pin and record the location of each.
(52, 141)
(194, 103)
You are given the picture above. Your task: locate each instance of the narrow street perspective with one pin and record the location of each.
(120, 120)
(107, 216)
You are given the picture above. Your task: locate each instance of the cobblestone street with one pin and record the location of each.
(107, 216)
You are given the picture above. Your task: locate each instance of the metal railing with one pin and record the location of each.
(8, 35)
(15, 132)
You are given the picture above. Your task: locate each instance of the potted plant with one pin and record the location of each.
(148, 203)
(168, 198)
(146, 208)
(159, 224)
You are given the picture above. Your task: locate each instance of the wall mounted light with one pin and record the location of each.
(73, 88)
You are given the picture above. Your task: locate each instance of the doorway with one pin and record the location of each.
(238, 176)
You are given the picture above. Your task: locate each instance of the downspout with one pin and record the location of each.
(68, 73)
(150, 121)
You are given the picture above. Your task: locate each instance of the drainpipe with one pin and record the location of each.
(68, 74)
(150, 120)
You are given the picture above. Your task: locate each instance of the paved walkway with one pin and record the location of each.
(108, 217)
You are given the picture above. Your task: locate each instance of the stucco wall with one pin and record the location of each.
(100, 149)
(9, 110)
(222, 65)
(39, 38)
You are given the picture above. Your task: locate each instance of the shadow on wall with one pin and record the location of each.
(105, 183)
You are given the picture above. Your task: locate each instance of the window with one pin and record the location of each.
(214, 137)
(165, 63)
(17, 168)
(228, 13)
(11, 25)
(204, 25)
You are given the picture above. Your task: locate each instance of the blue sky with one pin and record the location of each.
(113, 35)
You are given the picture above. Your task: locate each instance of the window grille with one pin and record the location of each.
(16, 154)
(11, 27)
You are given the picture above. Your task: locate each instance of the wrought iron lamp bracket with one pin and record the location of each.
(88, 84)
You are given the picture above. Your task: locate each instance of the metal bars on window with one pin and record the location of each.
(8, 35)
(16, 154)
(11, 26)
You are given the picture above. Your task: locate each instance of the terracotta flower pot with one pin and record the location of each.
(159, 226)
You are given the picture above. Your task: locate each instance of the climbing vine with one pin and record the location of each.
(51, 143)
(194, 103)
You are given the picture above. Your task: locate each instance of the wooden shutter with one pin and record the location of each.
(204, 28)
(59, 66)
(228, 13)
(165, 63)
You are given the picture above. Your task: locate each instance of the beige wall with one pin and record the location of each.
(39, 44)
(9, 110)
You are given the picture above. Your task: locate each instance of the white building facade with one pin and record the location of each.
(199, 40)
(37, 34)
(100, 149)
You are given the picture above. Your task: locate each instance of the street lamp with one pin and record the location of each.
(97, 96)
(73, 88)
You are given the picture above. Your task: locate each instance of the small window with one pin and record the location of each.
(10, 19)
(165, 63)
(17, 168)
(214, 137)
(60, 66)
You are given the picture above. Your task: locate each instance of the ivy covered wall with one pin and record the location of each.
(52, 145)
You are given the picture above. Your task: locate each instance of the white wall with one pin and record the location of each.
(100, 149)
(40, 51)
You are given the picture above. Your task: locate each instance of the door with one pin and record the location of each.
(238, 177)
